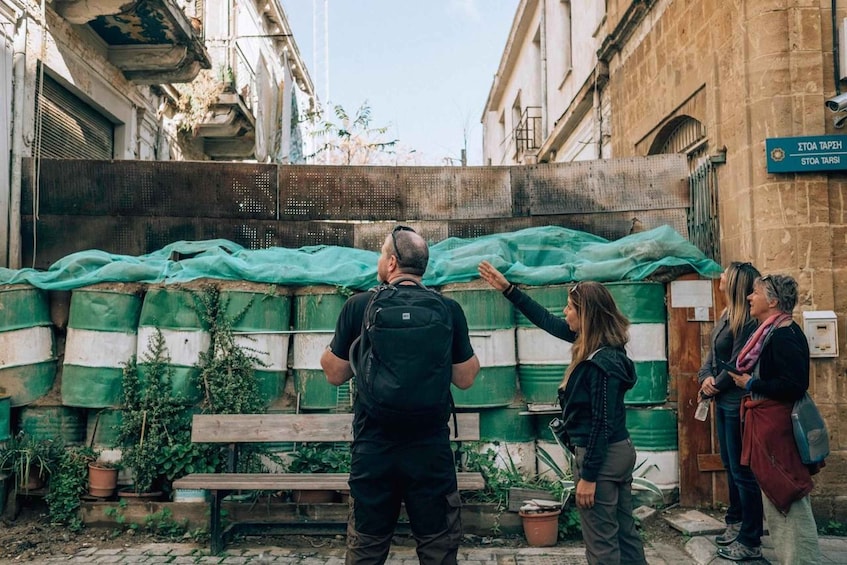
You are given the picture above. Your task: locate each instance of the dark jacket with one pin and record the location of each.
(725, 346)
(592, 403)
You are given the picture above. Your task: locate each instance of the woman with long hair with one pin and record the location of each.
(593, 414)
(743, 534)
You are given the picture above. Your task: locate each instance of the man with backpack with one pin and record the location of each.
(405, 344)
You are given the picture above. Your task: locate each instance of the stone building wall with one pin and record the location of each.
(749, 71)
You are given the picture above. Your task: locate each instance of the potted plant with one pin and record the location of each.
(102, 478)
(31, 460)
(541, 522)
(317, 458)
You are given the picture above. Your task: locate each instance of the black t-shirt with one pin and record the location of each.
(349, 327)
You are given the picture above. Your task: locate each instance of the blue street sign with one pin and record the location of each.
(807, 154)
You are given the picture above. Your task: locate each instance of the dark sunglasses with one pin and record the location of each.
(394, 239)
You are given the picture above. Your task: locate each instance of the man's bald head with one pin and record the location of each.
(410, 249)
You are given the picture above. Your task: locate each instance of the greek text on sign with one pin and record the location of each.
(806, 154)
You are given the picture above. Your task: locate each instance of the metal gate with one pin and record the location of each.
(703, 227)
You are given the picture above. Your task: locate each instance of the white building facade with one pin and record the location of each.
(544, 104)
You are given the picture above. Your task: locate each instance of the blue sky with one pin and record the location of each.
(424, 66)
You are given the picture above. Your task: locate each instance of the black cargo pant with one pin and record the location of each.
(420, 474)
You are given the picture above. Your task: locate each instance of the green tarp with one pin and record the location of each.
(534, 256)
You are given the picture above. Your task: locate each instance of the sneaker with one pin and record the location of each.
(737, 551)
(729, 535)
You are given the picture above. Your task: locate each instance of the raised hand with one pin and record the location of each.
(492, 276)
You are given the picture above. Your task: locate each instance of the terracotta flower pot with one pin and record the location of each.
(541, 528)
(102, 481)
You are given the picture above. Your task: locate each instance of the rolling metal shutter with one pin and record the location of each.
(70, 128)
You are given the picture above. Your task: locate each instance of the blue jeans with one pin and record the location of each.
(745, 498)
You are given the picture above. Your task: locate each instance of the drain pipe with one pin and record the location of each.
(18, 99)
(543, 40)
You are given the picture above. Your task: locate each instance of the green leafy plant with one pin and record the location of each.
(24, 455)
(67, 484)
(153, 419)
(833, 528)
(227, 370)
(319, 458)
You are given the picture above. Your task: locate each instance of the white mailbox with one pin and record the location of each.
(821, 330)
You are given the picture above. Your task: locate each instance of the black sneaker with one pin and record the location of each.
(737, 551)
(729, 535)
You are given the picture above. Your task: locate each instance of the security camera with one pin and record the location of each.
(837, 103)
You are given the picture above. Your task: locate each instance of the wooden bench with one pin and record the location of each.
(237, 429)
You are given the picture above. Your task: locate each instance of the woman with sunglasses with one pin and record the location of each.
(773, 366)
(591, 396)
(743, 534)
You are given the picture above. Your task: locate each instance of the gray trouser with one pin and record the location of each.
(608, 528)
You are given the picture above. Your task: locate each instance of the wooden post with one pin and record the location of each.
(684, 360)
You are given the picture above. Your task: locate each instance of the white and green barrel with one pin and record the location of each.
(63, 424)
(27, 349)
(653, 432)
(175, 311)
(316, 310)
(643, 303)
(102, 337)
(492, 331)
(542, 358)
(261, 319)
(510, 436)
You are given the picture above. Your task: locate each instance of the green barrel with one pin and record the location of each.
(652, 429)
(316, 310)
(5, 417)
(27, 350)
(506, 424)
(59, 423)
(654, 434)
(103, 427)
(492, 332)
(543, 359)
(174, 310)
(261, 319)
(102, 337)
(643, 303)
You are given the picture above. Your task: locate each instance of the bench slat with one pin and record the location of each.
(291, 481)
(256, 428)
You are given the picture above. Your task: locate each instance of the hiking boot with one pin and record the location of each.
(737, 551)
(729, 535)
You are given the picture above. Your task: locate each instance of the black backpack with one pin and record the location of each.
(403, 360)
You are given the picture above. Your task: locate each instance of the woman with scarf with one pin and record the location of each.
(774, 367)
(591, 396)
(743, 534)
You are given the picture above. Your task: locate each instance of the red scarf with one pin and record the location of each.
(752, 350)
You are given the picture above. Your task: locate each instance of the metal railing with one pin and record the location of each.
(528, 131)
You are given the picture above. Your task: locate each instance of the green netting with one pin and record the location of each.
(534, 256)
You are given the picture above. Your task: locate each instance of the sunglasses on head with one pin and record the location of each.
(394, 239)
(574, 288)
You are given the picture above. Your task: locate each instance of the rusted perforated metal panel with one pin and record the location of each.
(155, 188)
(642, 183)
(135, 207)
(310, 192)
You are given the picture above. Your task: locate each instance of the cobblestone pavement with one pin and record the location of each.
(192, 553)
